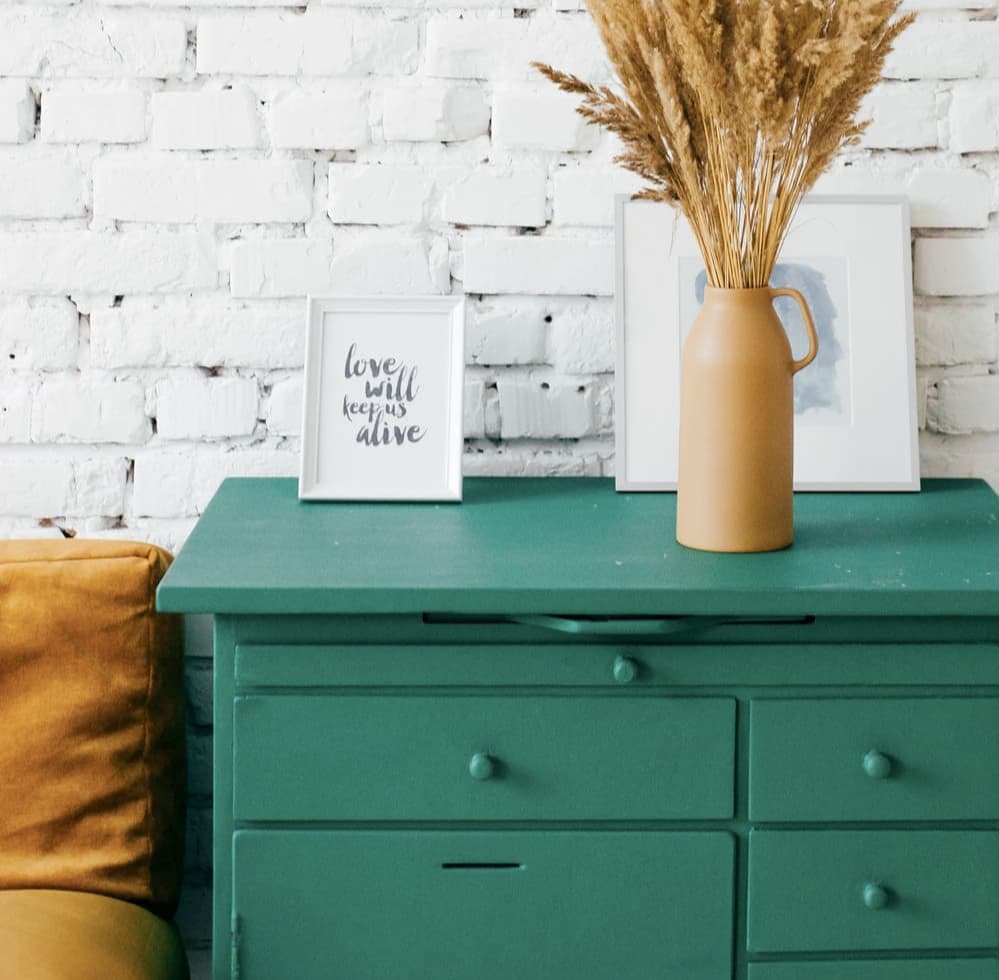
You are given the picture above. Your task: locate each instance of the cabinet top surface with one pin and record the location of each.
(574, 546)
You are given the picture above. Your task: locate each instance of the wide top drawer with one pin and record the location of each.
(613, 663)
(874, 759)
(483, 758)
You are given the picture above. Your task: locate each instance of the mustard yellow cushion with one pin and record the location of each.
(91, 722)
(53, 935)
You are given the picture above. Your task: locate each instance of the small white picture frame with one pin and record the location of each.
(382, 414)
(856, 425)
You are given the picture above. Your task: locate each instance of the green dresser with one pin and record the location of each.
(529, 737)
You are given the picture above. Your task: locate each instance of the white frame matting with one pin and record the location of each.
(382, 407)
(873, 445)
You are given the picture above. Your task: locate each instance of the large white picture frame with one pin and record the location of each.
(855, 407)
(382, 415)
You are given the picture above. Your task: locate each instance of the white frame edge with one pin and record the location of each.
(451, 307)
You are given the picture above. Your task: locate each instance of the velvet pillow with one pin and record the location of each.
(92, 764)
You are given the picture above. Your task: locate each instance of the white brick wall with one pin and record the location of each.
(198, 166)
(107, 116)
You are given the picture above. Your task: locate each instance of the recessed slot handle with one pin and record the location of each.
(482, 866)
(607, 626)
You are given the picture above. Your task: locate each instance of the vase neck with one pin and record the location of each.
(734, 300)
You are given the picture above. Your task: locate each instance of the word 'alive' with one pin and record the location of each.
(385, 391)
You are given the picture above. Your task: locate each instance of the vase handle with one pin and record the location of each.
(813, 337)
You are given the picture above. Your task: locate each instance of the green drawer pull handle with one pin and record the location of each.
(617, 627)
(481, 767)
(876, 896)
(625, 670)
(877, 765)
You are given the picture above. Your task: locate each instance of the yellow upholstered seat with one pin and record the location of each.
(92, 764)
(57, 935)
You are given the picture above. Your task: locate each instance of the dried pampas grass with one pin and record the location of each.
(733, 108)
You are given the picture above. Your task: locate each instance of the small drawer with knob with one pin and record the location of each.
(300, 757)
(812, 891)
(825, 760)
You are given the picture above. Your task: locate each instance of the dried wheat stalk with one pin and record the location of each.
(732, 109)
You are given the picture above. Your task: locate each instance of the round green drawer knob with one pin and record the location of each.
(481, 767)
(625, 670)
(876, 896)
(877, 765)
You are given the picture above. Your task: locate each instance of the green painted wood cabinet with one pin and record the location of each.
(530, 736)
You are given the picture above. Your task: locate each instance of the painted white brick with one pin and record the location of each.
(939, 197)
(957, 266)
(332, 118)
(98, 487)
(84, 410)
(497, 197)
(530, 264)
(205, 120)
(517, 461)
(36, 486)
(974, 117)
(473, 408)
(581, 338)
(195, 3)
(255, 190)
(38, 335)
(93, 117)
(533, 408)
(956, 334)
(428, 110)
(17, 112)
(435, 5)
(284, 409)
(206, 408)
(17, 400)
(199, 331)
(141, 187)
(945, 49)
(950, 199)
(960, 456)
(476, 47)
(586, 197)
(41, 185)
(384, 265)
(965, 405)
(536, 117)
(84, 42)
(507, 330)
(318, 42)
(175, 483)
(375, 194)
(903, 117)
(289, 267)
(64, 262)
(162, 187)
(489, 46)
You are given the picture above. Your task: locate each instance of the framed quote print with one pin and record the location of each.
(383, 399)
(855, 424)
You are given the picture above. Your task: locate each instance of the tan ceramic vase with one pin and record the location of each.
(735, 486)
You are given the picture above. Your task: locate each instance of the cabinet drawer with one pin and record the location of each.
(860, 890)
(878, 970)
(875, 759)
(379, 905)
(300, 757)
